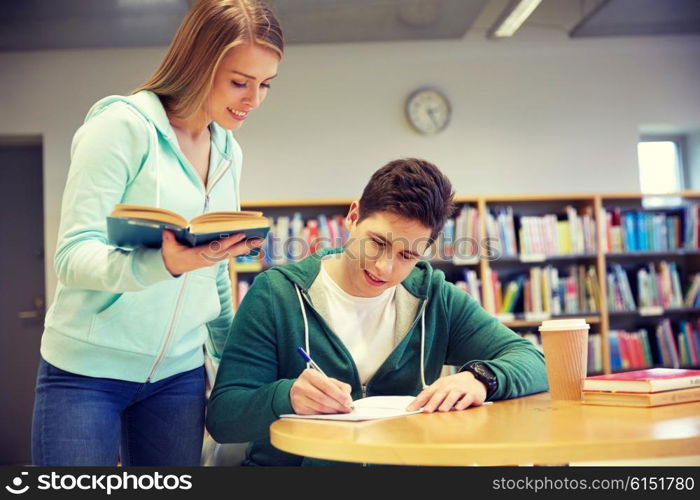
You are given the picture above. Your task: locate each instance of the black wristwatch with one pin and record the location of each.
(483, 374)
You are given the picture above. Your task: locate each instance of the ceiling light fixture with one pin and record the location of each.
(512, 17)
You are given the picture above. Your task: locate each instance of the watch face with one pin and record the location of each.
(428, 111)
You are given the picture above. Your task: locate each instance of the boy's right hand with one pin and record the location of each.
(314, 393)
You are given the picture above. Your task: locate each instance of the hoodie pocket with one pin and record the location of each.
(135, 321)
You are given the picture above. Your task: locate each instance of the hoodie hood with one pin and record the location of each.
(149, 106)
(304, 273)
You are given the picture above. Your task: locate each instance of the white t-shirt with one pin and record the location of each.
(364, 324)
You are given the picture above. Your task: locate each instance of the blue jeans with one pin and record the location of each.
(81, 420)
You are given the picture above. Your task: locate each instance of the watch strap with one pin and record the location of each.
(483, 374)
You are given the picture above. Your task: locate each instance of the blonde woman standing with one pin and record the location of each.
(121, 375)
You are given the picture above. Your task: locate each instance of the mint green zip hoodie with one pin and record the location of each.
(437, 324)
(119, 313)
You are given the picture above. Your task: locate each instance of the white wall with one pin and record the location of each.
(539, 113)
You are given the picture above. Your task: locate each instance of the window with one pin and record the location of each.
(660, 170)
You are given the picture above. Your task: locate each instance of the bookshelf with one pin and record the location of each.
(530, 258)
(651, 244)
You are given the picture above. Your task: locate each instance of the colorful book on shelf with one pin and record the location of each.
(580, 273)
(497, 292)
(690, 223)
(673, 232)
(665, 332)
(133, 226)
(614, 233)
(642, 400)
(663, 345)
(641, 231)
(571, 216)
(644, 337)
(446, 250)
(472, 284)
(592, 290)
(651, 380)
(629, 232)
(512, 294)
(694, 336)
(625, 354)
(615, 358)
(692, 296)
(627, 350)
(608, 245)
(639, 358)
(687, 338)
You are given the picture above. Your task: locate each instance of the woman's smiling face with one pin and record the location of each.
(240, 84)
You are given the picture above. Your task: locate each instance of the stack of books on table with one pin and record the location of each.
(643, 388)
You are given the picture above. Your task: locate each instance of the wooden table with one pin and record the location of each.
(529, 430)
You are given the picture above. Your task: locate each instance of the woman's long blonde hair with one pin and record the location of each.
(185, 75)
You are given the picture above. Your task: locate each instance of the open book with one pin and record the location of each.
(134, 226)
(371, 408)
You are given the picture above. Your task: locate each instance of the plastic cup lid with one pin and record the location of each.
(555, 325)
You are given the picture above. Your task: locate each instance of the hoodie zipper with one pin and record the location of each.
(171, 330)
(180, 295)
(413, 325)
(364, 395)
(364, 387)
(213, 182)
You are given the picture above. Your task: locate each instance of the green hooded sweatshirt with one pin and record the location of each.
(260, 364)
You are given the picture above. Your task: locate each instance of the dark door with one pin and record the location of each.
(21, 294)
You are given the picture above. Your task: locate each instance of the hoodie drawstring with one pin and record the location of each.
(154, 136)
(422, 335)
(306, 323)
(422, 345)
(154, 140)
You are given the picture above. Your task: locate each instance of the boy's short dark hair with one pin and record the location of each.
(411, 188)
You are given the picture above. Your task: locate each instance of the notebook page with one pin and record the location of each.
(371, 408)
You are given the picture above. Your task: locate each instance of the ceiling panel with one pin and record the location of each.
(641, 18)
(71, 24)
(327, 21)
(84, 24)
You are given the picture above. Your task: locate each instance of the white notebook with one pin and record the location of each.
(371, 408)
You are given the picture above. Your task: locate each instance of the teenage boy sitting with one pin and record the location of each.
(376, 318)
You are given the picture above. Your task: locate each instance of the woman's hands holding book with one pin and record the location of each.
(179, 258)
(454, 392)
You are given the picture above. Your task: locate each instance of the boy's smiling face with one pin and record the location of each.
(381, 252)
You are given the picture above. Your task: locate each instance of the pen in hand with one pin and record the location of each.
(313, 365)
(308, 359)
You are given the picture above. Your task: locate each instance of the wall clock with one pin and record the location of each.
(428, 110)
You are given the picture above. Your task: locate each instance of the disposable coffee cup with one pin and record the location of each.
(565, 344)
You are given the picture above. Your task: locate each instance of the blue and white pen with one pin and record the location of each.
(310, 361)
(313, 365)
